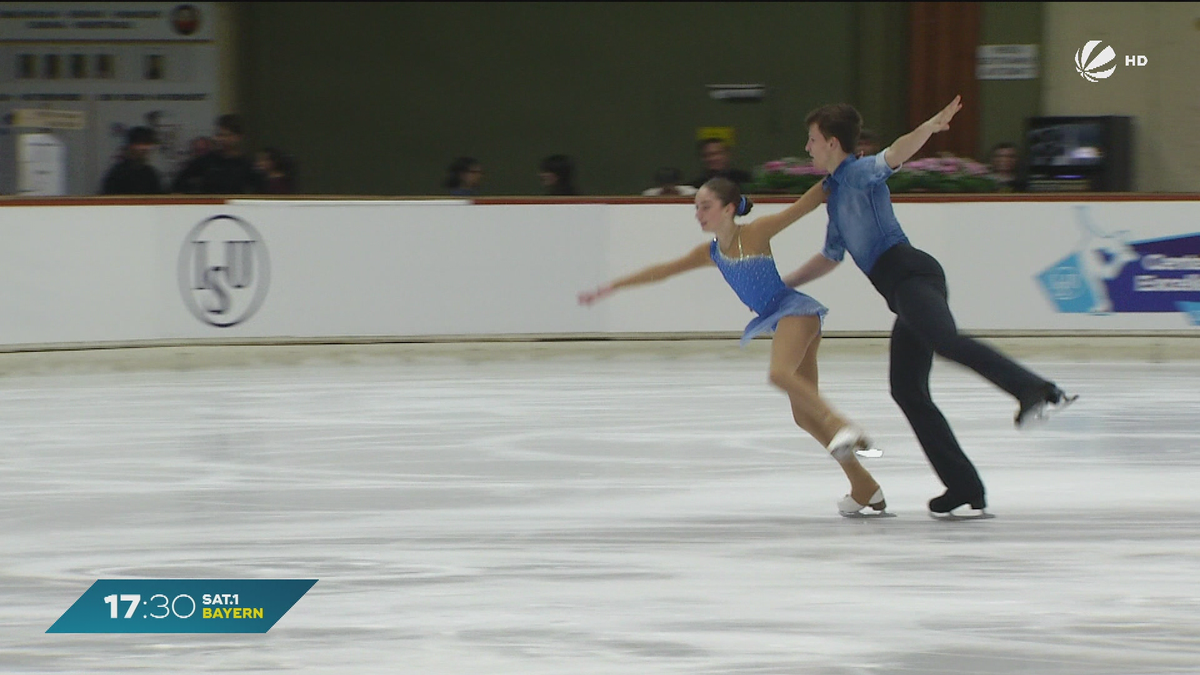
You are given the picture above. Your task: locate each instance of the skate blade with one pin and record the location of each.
(869, 453)
(1062, 405)
(867, 516)
(1049, 410)
(1054, 409)
(980, 515)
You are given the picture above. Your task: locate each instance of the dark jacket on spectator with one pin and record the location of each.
(129, 177)
(216, 174)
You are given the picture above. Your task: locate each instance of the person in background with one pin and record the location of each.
(1003, 168)
(557, 173)
(463, 177)
(199, 147)
(277, 170)
(133, 174)
(718, 163)
(225, 171)
(667, 184)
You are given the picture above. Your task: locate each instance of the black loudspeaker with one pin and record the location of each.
(1079, 154)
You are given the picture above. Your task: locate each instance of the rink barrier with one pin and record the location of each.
(200, 355)
(118, 273)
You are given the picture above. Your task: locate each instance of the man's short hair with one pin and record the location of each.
(231, 123)
(837, 120)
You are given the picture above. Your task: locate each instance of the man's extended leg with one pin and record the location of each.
(921, 303)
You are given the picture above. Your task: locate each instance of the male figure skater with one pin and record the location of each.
(862, 222)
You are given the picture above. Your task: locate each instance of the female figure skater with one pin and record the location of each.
(743, 255)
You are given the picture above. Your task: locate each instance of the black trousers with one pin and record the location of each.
(914, 285)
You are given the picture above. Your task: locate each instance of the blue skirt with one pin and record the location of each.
(787, 302)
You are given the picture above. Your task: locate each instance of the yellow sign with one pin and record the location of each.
(49, 119)
(724, 133)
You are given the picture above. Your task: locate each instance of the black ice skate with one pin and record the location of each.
(950, 507)
(1042, 405)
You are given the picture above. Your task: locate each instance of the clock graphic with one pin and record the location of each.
(181, 605)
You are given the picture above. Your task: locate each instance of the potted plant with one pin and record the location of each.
(943, 174)
(789, 175)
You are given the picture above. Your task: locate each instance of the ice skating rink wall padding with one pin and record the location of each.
(85, 274)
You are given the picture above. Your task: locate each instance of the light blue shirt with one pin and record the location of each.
(861, 219)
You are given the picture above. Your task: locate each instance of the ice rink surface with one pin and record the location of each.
(566, 510)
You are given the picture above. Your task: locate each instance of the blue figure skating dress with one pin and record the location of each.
(756, 281)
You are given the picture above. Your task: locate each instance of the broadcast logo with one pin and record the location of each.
(1089, 66)
(1094, 66)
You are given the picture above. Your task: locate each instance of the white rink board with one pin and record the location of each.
(103, 274)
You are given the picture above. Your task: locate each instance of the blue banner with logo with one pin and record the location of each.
(181, 605)
(1108, 273)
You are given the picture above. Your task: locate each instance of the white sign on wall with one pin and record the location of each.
(115, 65)
(106, 21)
(41, 166)
(1006, 62)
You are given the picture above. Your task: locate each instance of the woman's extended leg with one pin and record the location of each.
(794, 370)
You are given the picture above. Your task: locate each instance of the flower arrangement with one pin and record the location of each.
(933, 174)
(942, 174)
(789, 175)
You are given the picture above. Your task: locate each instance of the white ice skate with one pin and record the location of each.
(868, 452)
(849, 439)
(849, 508)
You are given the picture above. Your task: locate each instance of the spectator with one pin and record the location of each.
(224, 171)
(868, 144)
(715, 155)
(1003, 165)
(132, 174)
(196, 148)
(666, 181)
(463, 177)
(558, 176)
(199, 146)
(277, 170)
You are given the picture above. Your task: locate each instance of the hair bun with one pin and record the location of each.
(744, 206)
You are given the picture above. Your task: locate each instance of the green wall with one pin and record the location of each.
(377, 98)
(1006, 103)
(881, 68)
